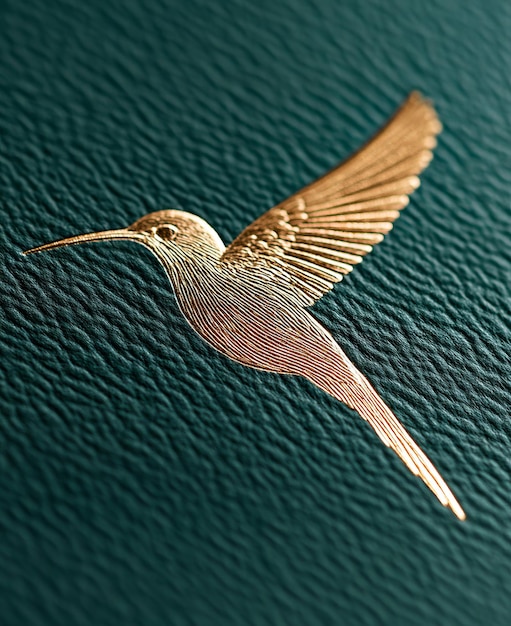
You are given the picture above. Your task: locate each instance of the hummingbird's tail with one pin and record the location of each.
(352, 388)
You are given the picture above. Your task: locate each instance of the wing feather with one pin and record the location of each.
(315, 237)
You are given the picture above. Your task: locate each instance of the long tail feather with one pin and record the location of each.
(351, 387)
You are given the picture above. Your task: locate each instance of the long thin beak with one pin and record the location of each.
(104, 235)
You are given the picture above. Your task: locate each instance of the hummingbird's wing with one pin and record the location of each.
(313, 238)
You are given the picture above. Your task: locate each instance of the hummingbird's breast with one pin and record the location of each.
(249, 319)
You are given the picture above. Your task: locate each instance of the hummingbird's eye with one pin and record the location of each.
(167, 232)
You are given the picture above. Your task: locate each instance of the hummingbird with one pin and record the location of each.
(250, 300)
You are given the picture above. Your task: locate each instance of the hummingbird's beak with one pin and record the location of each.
(104, 235)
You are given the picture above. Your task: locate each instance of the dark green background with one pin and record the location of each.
(145, 479)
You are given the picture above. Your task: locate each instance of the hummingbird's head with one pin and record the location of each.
(177, 232)
(170, 234)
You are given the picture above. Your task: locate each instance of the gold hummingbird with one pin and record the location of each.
(249, 300)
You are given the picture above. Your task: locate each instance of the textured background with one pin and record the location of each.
(145, 479)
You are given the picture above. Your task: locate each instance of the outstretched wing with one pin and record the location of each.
(315, 237)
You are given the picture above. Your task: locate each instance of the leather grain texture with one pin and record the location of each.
(144, 478)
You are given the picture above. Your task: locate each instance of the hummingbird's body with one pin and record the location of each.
(250, 300)
(246, 317)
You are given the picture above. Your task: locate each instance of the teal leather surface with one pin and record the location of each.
(147, 480)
